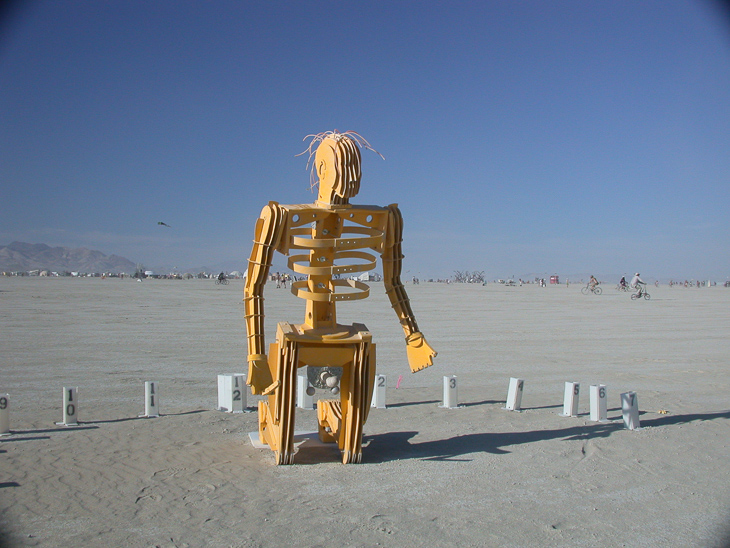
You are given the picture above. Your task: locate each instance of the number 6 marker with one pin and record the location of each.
(598, 403)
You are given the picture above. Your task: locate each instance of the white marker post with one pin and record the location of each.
(514, 394)
(630, 410)
(4, 414)
(232, 393)
(598, 403)
(451, 395)
(304, 400)
(570, 401)
(151, 400)
(379, 392)
(70, 406)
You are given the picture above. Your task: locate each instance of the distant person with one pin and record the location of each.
(221, 277)
(623, 284)
(636, 283)
(593, 282)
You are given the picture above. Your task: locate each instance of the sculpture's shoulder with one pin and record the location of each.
(298, 215)
(273, 207)
(366, 215)
(303, 214)
(369, 208)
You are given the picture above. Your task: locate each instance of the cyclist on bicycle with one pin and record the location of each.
(622, 283)
(636, 283)
(593, 283)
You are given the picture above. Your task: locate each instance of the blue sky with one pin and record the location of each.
(520, 138)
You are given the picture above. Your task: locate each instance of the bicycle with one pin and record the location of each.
(620, 287)
(224, 281)
(595, 290)
(639, 294)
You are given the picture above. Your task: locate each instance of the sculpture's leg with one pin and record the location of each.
(268, 424)
(264, 422)
(356, 383)
(276, 416)
(287, 404)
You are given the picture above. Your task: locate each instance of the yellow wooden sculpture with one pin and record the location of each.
(329, 241)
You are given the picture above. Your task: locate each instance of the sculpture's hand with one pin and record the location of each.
(420, 353)
(259, 375)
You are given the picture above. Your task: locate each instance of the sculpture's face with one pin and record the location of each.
(337, 162)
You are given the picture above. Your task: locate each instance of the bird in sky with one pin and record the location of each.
(163, 224)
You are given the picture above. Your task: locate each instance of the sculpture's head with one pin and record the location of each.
(337, 165)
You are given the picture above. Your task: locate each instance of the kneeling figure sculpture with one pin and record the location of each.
(330, 240)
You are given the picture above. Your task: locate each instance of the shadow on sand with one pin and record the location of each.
(143, 417)
(407, 403)
(397, 445)
(670, 420)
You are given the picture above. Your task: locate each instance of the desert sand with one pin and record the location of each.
(474, 476)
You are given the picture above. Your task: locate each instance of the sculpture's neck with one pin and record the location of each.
(331, 200)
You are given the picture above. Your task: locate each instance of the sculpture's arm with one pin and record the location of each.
(420, 353)
(269, 228)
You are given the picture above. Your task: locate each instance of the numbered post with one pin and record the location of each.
(630, 410)
(514, 394)
(4, 414)
(598, 403)
(151, 399)
(70, 406)
(451, 396)
(570, 401)
(232, 393)
(304, 399)
(379, 392)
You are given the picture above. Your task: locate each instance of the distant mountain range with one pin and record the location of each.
(23, 257)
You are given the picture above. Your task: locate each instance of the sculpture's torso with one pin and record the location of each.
(330, 245)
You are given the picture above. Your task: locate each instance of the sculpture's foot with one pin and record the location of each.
(283, 458)
(349, 457)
